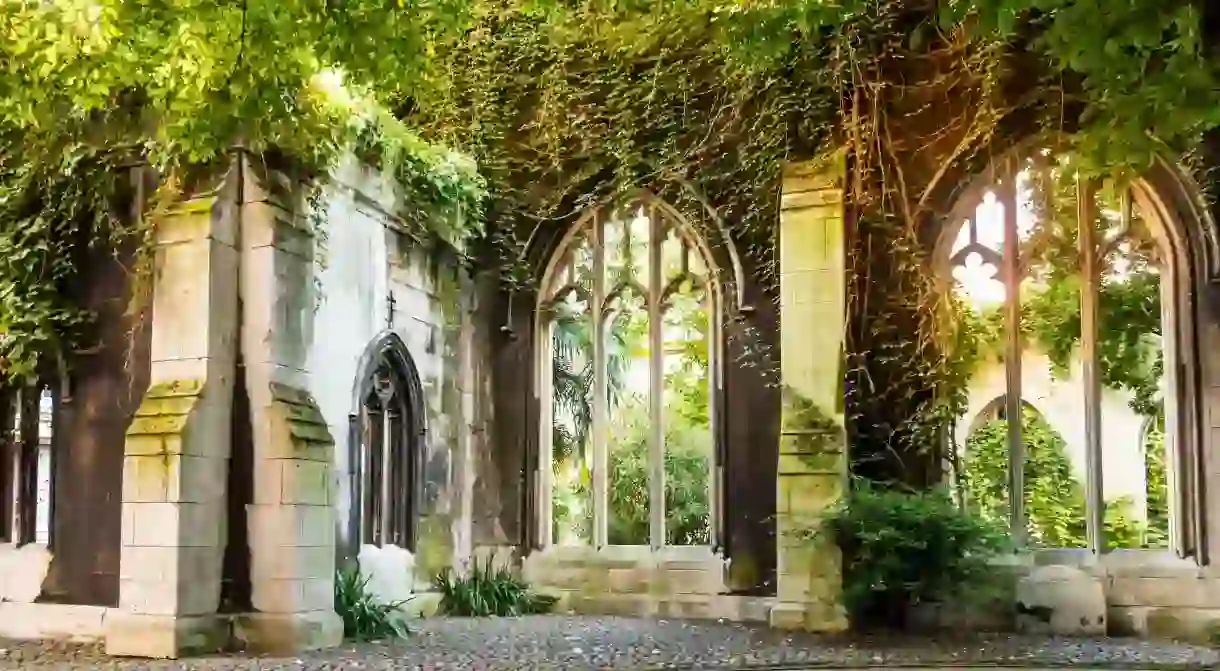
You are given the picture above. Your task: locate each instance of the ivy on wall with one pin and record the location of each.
(90, 89)
(564, 102)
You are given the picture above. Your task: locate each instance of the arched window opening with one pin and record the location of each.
(629, 316)
(26, 462)
(1059, 280)
(386, 451)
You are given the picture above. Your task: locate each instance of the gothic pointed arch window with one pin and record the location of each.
(629, 320)
(1075, 280)
(386, 447)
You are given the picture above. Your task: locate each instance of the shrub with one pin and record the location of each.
(488, 590)
(364, 618)
(901, 549)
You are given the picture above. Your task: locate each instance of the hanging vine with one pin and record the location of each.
(566, 103)
(89, 90)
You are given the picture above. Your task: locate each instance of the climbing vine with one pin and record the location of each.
(91, 90)
(563, 103)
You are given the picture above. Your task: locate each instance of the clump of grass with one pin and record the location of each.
(364, 618)
(489, 590)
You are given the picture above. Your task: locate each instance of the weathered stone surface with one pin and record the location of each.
(1061, 600)
(22, 570)
(390, 571)
(163, 636)
(812, 461)
(287, 633)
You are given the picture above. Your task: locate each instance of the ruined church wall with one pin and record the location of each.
(373, 277)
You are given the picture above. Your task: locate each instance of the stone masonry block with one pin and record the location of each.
(290, 595)
(153, 564)
(817, 442)
(162, 636)
(154, 524)
(279, 526)
(294, 563)
(1164, 592)
(809, 464)
(281, 634)
(292, 426)
(813, 494)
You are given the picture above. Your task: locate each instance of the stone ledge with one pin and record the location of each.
(1197, 625)
(82, 624)
(161, 420)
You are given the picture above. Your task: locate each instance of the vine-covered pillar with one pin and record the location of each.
(812, 470)
(291, 521)
(177, 448)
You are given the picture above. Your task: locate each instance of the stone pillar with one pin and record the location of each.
(812, 455)
(291, 522)
(177, 447)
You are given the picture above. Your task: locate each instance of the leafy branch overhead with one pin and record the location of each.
(553, 104)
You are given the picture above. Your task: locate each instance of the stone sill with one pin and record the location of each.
(1115, 563)
(671, 556)
(80, 624)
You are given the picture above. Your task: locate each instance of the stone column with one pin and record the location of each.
(177, 447)
(812, 455)
(291, 522)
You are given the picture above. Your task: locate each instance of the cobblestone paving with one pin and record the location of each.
(579, 643)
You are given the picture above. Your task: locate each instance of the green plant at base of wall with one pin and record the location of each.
(364, 617)
(488, 590)
(903, 548)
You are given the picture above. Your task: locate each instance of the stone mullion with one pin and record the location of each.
(1175, 460)
(1011, 275)
(715, 483)
(1090, 282)
(600, 365)
(546, 446)
(656, 385)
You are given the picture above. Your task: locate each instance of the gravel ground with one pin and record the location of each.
(578, 643)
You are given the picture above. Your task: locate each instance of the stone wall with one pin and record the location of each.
(678, 582)
(367, 259)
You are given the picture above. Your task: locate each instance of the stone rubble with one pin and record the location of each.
(579, 643)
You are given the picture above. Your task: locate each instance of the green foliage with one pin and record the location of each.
(1054, 497)
(687, 504)
(91, 89)
(901, 549)
(1140, 69)
(488, 590)
(1157, 490)
(364, 618)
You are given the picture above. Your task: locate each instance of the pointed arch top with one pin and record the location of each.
(708, 236)
(387, 347)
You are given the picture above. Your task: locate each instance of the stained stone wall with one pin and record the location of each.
(812, 448)
(368, 259)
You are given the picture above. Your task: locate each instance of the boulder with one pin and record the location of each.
(1061, 600)
(390, 571)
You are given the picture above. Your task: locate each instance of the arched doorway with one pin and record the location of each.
(386, 437)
